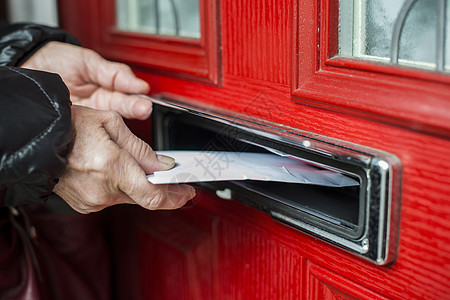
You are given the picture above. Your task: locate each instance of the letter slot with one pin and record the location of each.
(362, 219)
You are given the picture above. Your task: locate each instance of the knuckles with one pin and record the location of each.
(103, 161)
(112, 116)
(103, 165)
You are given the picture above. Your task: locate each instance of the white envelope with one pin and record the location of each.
(204, 166)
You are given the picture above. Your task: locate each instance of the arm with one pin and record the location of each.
(92, 80)
(35, 132)
(106, 162)
(18, 42)
(35, 127)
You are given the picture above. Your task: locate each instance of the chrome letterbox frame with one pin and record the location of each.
(380, 193)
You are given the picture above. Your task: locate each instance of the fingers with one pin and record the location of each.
(138, 158)
(115, 82)
(137, 148)
(94, 81)
(128, 106)
(170, 196)
(113, 76)
(103, 169)
(133, 182)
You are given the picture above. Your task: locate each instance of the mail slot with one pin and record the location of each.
(362, 219)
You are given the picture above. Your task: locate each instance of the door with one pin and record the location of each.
(370, 73)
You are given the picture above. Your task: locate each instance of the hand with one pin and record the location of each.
(94, 81)
(107, 165)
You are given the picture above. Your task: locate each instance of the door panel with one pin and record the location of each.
(274, 63)
(324, 284)
(177, 254)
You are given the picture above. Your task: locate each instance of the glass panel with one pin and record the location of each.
(366, 29)
(161, 17)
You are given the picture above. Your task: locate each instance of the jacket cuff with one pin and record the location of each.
(20, 41)
(35, 134)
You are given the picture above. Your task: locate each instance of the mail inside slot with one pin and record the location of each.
(339, 207)
(356, 217)
(206, 166)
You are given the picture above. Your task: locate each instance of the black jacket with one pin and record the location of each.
(35, 120)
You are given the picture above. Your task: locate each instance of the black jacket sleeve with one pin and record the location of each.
(19, 41)
(35, 133)
(35, 120)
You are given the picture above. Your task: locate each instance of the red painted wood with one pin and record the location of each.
(322, 284)
(274, 69)
(258, 54)
(196, 59)
(177, 252)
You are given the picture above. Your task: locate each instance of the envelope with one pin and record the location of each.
(207, 166)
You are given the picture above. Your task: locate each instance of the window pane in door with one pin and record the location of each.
(161, 17)
(366, 30)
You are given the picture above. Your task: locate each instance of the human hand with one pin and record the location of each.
(107, 165)
(94, 81)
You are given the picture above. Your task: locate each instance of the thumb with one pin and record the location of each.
(147, 159)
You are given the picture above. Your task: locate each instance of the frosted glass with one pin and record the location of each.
(366, 26)
(161, 17)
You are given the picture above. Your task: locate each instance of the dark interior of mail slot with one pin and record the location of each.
(336, 214)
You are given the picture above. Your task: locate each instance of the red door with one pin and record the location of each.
(297, 64)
